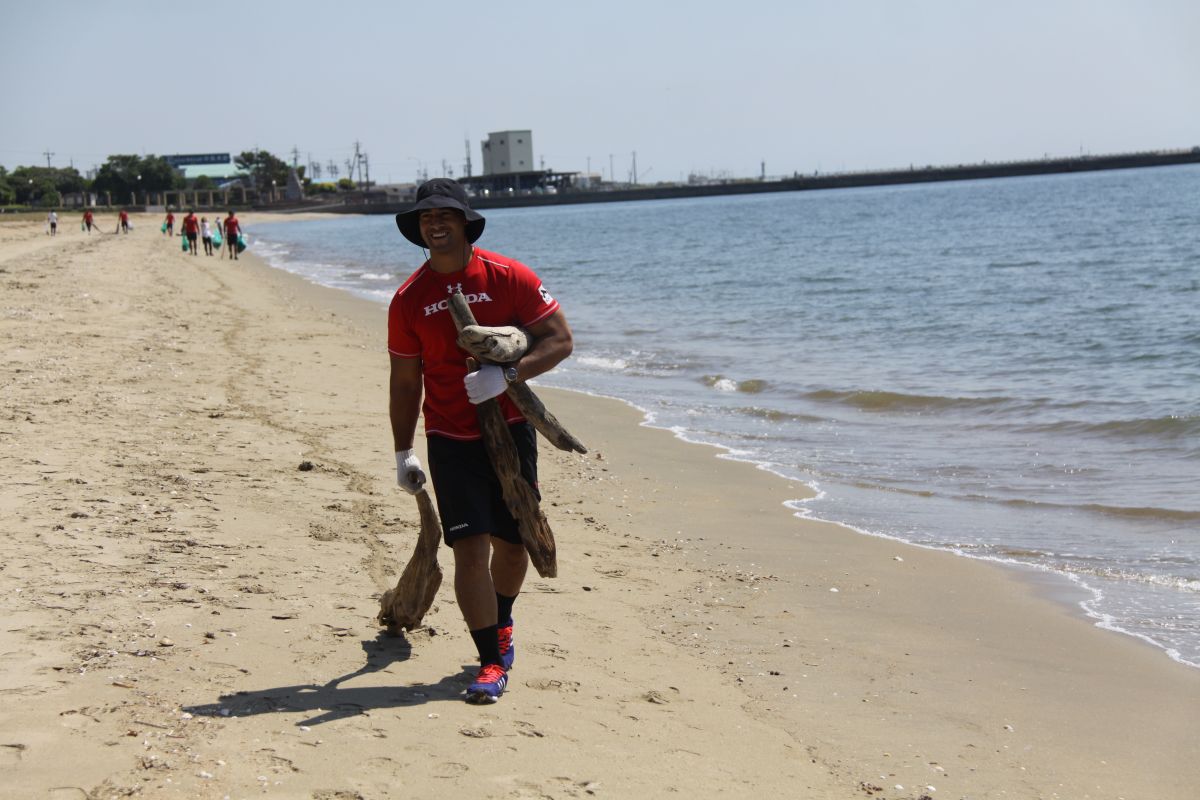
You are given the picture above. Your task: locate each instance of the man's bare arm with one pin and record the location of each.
(551, 343)
(404, 403)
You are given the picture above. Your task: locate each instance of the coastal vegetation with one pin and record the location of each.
(123, 176)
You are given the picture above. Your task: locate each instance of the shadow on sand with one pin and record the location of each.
(336, 702)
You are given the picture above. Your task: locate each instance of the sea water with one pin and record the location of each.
(1007, 369)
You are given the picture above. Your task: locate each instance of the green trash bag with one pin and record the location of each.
(217, 240)
(185, 244)
(241, 243)
(164, 227)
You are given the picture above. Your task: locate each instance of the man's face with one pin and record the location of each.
(444, 229)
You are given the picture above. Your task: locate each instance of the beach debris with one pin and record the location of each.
(499, 345)
(165, 642)
(522, 396)
(897, 558)
(305, 466)
(519, 496)
(403, 607)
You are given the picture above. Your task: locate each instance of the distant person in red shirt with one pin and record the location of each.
(232, 229)
(191, 229)
(87, 220)
(170, 231)
(123, 221)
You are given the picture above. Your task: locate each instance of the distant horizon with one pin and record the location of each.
(935, 165)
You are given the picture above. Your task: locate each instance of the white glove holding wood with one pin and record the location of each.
(409, 475)
(486, 383)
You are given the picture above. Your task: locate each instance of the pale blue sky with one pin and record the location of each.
(709, 87)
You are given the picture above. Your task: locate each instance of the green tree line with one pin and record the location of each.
(124, 175)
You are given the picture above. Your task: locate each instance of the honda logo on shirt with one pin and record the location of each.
(471, 299)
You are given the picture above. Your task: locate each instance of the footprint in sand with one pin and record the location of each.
(336, 794)
(528, 729)
(553, 684)
(450, 769)
(548, 649)
(67, 793)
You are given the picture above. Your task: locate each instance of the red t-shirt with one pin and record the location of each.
(170, 219)
(231, 227)
(500, 291)
(191, 224)
(123, 216)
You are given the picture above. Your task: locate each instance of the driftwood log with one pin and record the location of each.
(510, 343)
(500, 345)
(519, 496)
(404, 607)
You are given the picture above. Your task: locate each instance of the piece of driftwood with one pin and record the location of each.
(529, 404)
(518, 494)
(500, 345)
(534, 410)
(404, 607)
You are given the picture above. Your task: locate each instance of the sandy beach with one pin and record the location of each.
(199, 516)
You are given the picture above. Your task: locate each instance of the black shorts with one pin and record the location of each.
(470, 500)
(191, 238)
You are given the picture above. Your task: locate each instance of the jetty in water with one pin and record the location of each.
(378, 203)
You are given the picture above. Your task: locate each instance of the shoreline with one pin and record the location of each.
(170, 414)
(1060, 586)
(1057, 586)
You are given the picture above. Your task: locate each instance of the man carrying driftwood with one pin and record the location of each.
(489, 559)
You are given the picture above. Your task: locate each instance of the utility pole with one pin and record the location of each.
(635, 167)
(367, 167)
(295, 157)
(467, 142)
(333, 169)
(612, 176)
(47, 154)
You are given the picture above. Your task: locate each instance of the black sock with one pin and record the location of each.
(504, 607)
(487, 642)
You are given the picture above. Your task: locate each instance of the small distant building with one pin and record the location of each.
(506, 152)
(508, 168)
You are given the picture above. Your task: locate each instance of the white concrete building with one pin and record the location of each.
(508, 151)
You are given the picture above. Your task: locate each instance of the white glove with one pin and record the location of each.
(485, 384)
(409, 475)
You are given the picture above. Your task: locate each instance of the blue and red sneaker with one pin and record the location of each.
(488, 686)
(507, 651)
